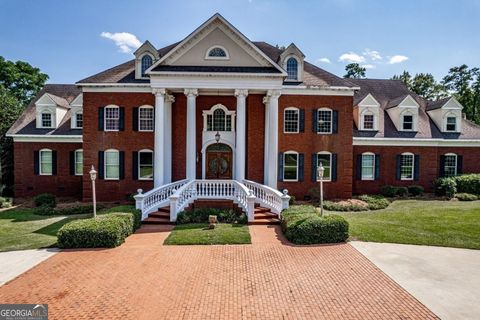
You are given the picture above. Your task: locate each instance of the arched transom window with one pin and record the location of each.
(218, 118)
(217, 52)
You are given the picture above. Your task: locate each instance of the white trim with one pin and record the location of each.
(138, 164)
(298, 120)
(283, 173)
(46, 138)
(330, 161)
(146, 106)
(413, 166)
(208, 57)
(110, 106)
(105, 164)
(317, 91)
(331, 120)
(40, 162)
(423, 142)
(113, 87)
(75, 162)
(365, 178)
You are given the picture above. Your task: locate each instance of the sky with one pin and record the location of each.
(71, 40)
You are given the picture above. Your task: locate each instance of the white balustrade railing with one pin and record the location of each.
(269, 197)
(157, 197)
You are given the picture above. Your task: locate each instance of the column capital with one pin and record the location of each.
(169, 98)
(191, 92)
(266, 100)
(159, 91)
(241, 92)
(274, 94)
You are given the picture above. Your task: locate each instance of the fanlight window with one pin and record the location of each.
(219, 121)
(217, 52)
(147, 62)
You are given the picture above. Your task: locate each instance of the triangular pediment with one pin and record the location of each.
(369, 101)
(216, 32)
(46, 100)
(452, 104)
(408, 102)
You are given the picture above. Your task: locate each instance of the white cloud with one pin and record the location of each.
(372, 54)
(351, 57)
(324, 60)
(368, 66)
(397, 59)
(125, 41)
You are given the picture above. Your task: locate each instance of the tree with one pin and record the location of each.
(405, 77)
(19, 83)
(423, 84)
(354, 70)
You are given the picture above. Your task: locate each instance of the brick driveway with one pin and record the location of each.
(267, 280)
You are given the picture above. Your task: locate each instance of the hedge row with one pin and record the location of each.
(106, 231)
(304, 225)
(394, 191)
(448, 187)
(46, 210)
(201, 216)
(370, 202)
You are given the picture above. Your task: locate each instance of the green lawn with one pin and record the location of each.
(437, 223)
(198, 233)
(21, 229)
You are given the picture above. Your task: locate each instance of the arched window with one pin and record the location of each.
(290, 166)
(450, 165)
(147, 62)
(291, 120)
(145, 118)
(292, 69)
(407, 163)
(112, 164)
(368, 166)
(46, 162)
(325, 158)
(217, 52)
(218, 118)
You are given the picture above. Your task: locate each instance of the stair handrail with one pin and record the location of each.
(268, 197)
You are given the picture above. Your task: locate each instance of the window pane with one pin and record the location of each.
(145, 117)
(112, 167)
(219, 120)
(112, 116)
(451, 124)
(407, 122)
(290, 166)
(406, 167)
(325, 121)
(46, 162)
(112, 172)
(46, 120)
(368, 166)
(450, 165)
(146, 63)
(79, 120)
(324, 159)
(217, 52)
(368, 121)
(292, 69)
(291, 121)
(78, 162)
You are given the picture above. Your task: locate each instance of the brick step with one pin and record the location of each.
(261, 210)
(265, 215)
(164, 209)
(160, 214)
(155, 220)
(270, 221)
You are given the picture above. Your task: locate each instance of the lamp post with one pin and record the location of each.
(93, 177)
(217, 137)
(320, 171)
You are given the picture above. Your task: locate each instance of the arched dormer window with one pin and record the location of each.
(218, 118)
(292, 69)
(147, 62)
(217, 53)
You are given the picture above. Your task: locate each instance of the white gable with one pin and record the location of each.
(408, 102)
(46, 100)
(78, 101)
(452, 104)
(369, 101)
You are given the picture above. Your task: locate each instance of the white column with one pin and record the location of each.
(191, 155)
(267, 136)
(273, 137)
(159, 166)
(240, 145)
(169, 99)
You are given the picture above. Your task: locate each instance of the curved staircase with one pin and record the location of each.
(264, 216)
(162, 216)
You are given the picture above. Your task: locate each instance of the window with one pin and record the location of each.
(451, 124)
(324, 121)
(406, 166)
(79, 162)
(145, 118)
(46, 162)
(292, 69)
(368, 166)
(325, 158)
(112, 118)
(112, 165)
(290, 166)
(450, 165)
(47, 120)
(219, 121)
(78, 120)
(145, 165)
(147, 62)
(408, 122)
(291, 118)
(368, 122)
(217, 52)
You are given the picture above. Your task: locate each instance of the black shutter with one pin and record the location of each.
(334, 167)
(416, 169)
(121, 121)
(36, 162)
(135, 165)
(122, 165)
(280, 167)
(301, 166)
(314, 166)
(101, 164)
(72, 163)
(135, 119)
(359, 167)
(101, 116)
(54, 163)
(315, 121)
(377, 166)
(302, 121)
(335, 121)
(441, 169)
(398, 167)
(459, 165)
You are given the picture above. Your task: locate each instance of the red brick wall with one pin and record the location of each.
(309, 143)
(62, 184)
(255, 138)
(127, 141)
(429, 165)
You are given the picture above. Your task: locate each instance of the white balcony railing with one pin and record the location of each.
(269, 197)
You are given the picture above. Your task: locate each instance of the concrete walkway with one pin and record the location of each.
(14, 263)
(446, 280)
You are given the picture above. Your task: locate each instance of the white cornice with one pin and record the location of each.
(328, 91)
(46, 138)
(407, 142)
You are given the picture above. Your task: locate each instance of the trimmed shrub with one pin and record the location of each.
(415, 190)
(468, 183)
(303, 225)
(375, 202)
(45, 199)
(5, 203)
(46, 210)
(291, 202)
(388, 191)
(347, 205)
(466, 197)
(201, 216)
(445, 187)
(401, 191)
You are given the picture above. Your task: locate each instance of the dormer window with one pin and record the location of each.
(407, 122)
(368, 121)
(451, 125)
(292, 69)
(78, 120)
(47, 120)
(147, 62)
(217, 53)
